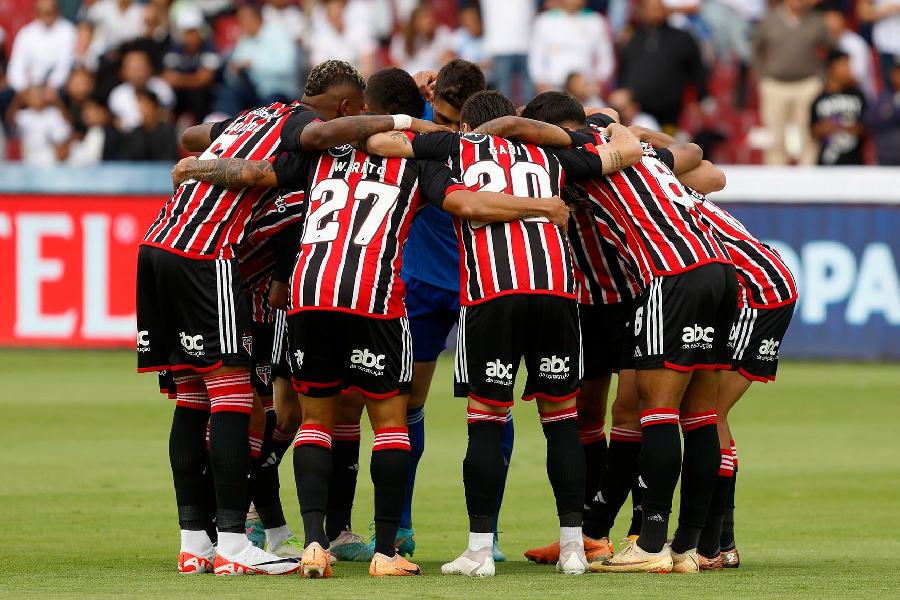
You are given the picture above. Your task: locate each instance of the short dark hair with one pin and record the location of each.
(486, 106)
(333, 73)
(394, 91)
(457, 81)
(555, 108)
(148, 95)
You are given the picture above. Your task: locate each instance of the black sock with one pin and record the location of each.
(708, 545)
(264, 481)
(619, 473)
(188, 458)
(312, 471)
(390, 476)
(636, 509)
(660, 465)
(727, 539)
(594, 460)
(345, 454)
(229, 457)
(483, 473)
(565, 465)
(699, 473)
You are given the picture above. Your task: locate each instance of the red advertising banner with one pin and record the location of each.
(68, 265)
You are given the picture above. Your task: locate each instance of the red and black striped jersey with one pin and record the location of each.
(207, 221)
(651, 217)
(359, 210)
(258, 254)
(763, 278)
(514, 257)
(601, 273)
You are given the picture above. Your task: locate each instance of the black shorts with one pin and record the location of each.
(682, 321)
(494, 336)
(333, 351)
(167, 384)
(603, 334)
(261, 376)
(756, 339)
(281, 363)
(191, 313)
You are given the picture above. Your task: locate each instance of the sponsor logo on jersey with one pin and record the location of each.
(341, 150)
(498, 372)
(698, 337)
(367, 362)
(143, 341)
(768, 350)
(264, 372)
(247, 341)
(192, 344)
(555, 367)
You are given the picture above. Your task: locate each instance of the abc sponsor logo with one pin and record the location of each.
(768, 350)
(192, 344)
(143, 341)
(697, 337)
(499, 373)
(555, 367)
(367, 361)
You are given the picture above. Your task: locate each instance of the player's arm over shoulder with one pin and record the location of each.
(225, 172)
(528, 131)
(598, 157)
(705, 178)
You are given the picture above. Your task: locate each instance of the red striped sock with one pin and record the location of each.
(590, 435)
(624, 435)
(268, 405)
(392, 438)
(659, 416)
(313, 435)
(346, 432)
(231, 392)
(256, 440)
(191, 393)
(281, 436)
(473, 415)
(691, 421)
(726, 467)
(734, 454)
(559, 415)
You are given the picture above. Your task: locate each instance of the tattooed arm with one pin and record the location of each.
(685, 156)
(623, 150)
(321, 135)
(528, 131)
(226, 172)
(395, 143)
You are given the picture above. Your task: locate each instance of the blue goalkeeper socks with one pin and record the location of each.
(415, 422)
(509, 435)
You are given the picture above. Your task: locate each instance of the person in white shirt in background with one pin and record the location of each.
(42, 51)
(622, 101)
(100, 141)
(265, 57)
(116, 22)
(855, 46)
(570, 39)
(423, 42)
(468, 40)
(885, 18)
(137, 74)
(507, 35)
(341, 31)
(42, 127)
(287, 15)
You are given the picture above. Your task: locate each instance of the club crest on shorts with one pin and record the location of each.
(247, 340)
(264, 372)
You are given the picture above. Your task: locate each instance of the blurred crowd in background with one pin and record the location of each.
(778, 81)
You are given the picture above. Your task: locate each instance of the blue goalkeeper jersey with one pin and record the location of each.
(431, 253)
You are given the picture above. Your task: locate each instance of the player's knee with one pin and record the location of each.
(625, 414)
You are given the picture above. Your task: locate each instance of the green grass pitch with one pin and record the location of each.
(87, 507)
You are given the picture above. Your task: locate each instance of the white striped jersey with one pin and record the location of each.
(764, 280)
(201, 220)
(359, 210)
(515, 257)
(601, 273)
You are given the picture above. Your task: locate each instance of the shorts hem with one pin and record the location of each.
(685, 368)
(491, 402)
(551, 398)
(367, 394)
(753, 377)
(186, 367)
(566, 295)
(348, 311)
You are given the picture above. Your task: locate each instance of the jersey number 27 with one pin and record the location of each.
(336, 193)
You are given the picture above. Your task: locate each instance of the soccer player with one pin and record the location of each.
(347, 319)
(681, 265)
(193, 318)
(515, 273)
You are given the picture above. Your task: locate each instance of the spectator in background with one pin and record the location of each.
(507, 31)
(42, 51)
(154, 38)
(730, 23)
(847, 40)
(100, 141)
(630, 113)
(657, 63)
(883, 119)
(837, 115)
(286, 15)
(88, 50)
(338, 33)
(578, 86)
(191, 65)
(137, 75)
(787, 48)
(885, 18)
(78, 90)
(570, 39)
(41, 126)
(468, 40)
(263, 65)
(423, 43)
(154, 139)
(116, 21)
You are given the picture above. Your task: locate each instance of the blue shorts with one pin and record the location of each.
(432, 313)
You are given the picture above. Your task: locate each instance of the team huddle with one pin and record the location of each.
(314, 259)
